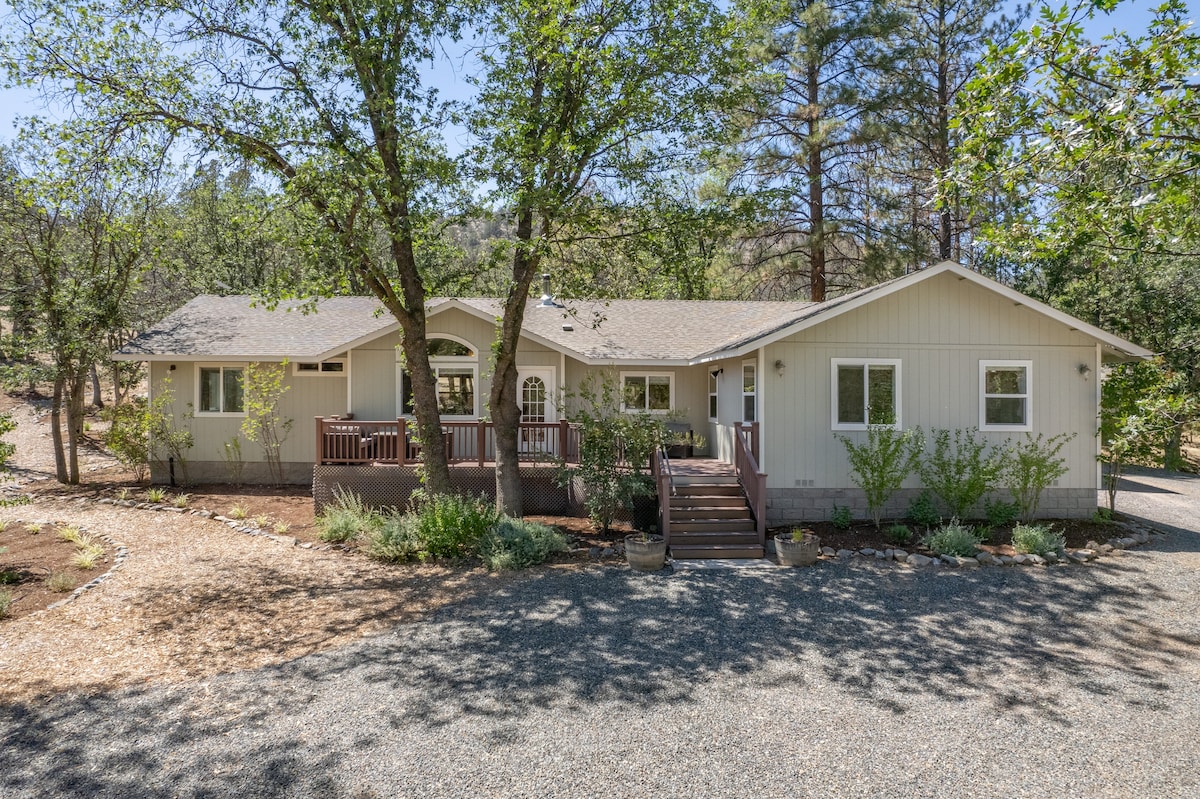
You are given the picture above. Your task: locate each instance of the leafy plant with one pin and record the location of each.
(167, 440)
(1034, 464)
(7, 449)
(449, 525)
(799, 533)
(70, 533)
(123, 494)
(1037, 539)
(33, 528)
(60, 582)
(961, 468)
(263, 424)
(86, 558)
(953, 538)
(262, 521)
(231, 452)
(881, 463)
(899, 534)
(923, 510)
(346, 518)
(128, 435)
(518, 544)
(394, 539)
(840, 517)
(238, 511)
(6, 601)
(156, 495)
(1000, 513)
(1103, 516)
(281, 527)
(9, 576)
(614, 451)
(181, 500)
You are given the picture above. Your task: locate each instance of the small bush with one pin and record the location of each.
(156, 495)
(395, 539)
(840, 516)
(123, 494)
(346, 519)
(181, 500)
(1103, 516)
(86, 558)
(60, 582)
(899, 534)
(449, 525)
(33, 528)
(70, 533)
(1000, 513)
(881, 463)
(953, 538)
(1033, 465)
(923, 510)
(238, 512)
(281, 527)
(961, 468)
(1036, 539)
(6, 600)
(518, 544)
(9, 576)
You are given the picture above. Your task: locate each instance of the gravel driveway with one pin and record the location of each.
(846, 680)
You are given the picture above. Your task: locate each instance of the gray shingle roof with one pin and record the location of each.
(229, 327)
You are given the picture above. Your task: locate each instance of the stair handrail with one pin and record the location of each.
(665, 484)
(752, 479)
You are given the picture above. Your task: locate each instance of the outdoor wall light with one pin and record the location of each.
(1084, 370)
(780, 366)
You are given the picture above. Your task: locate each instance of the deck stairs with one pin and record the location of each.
(710, 518)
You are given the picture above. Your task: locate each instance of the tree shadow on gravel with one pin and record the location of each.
(1021, 641)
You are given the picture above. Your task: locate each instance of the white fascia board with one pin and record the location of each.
(224, 357)
(387, 329)
(1113, 343)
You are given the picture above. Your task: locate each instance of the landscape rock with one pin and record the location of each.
(1036, 560)
(900, 555)
(828, 552)
(881, 555)
(867, 551)
(918, 559)
(1006, 560)
(968, 563)
(845, 554)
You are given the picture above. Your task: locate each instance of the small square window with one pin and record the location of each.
(865, 392)
(651, 393)
(1004, 395)
(220, 390)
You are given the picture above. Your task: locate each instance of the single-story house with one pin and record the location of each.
(940, 348)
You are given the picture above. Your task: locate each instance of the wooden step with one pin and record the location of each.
(713, 525)
(715, 538)
(693, 514)
(708, 490)
(730, 501)
(687, 552)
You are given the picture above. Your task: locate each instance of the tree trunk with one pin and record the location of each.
(942, 146)
(97, 395)
(75, 392)
(56, 437)
(816, 191)
(1173, 449)
(435, 467)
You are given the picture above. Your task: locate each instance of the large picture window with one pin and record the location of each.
(220, 389)
(646, 392)
(455, 391)
(1004, 395)
(865, 392)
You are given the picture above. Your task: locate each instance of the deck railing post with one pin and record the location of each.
(402, 439)
(754, 441)
(481, 442)
(563, 429)
(320, 440)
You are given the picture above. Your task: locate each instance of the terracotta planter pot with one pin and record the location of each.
(797, 553)
(645, 553)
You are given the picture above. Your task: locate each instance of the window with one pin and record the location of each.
(749, 392)
(712, 395)
(455, 391)
(333, 368)
(1004, 395)
(220, 389)
(652, 393)
(865, 392)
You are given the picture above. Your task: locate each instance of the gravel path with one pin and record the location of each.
(846, 680)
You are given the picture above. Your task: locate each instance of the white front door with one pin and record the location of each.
(535, 393)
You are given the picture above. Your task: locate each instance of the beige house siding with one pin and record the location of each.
(939, 330)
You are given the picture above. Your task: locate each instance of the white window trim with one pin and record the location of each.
(1027, 396)
(742, 391)
(321, 372)
(453, 358)
(196, 394)
(834, 363)
(714, 402)
(670, 383)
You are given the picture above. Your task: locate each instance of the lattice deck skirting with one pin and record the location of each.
(385, 486)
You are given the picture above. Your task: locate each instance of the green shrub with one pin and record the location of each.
(518, 544)
(346, 519)
(156, 495)
(961, 468)
(899, 534)
(450, 526)
(1037, 539)
(394, 539)
(1034, 464)
(128, 436)
(881, 463)
(840, 516)
(7, 450)
(6, 600)
(1000, 513)
(953, 538)
(923, 510)
(60, 582)
(1103, 516)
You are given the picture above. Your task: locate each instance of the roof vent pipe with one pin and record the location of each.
(547, 297)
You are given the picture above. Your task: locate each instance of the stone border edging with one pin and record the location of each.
(120, 553)
(1139, 534)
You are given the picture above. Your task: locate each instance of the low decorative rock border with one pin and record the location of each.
(1138, 534)
(120, 553)
(237, 525)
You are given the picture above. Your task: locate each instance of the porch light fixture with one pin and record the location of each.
(780, 366)
(1084, 370)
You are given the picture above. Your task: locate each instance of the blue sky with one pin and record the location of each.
(1131, 15)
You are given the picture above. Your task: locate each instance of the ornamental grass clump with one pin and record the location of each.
(518, 544)
(346, 519)
(953, 538)
(1037, 539)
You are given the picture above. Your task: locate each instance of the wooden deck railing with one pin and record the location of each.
(350, 441)
(752, 478)
(660, 467)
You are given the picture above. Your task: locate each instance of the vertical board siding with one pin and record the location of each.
(940, 330)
